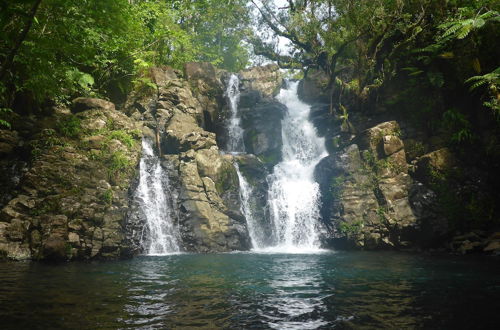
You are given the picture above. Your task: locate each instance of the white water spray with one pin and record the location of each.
(152, 194)
(246, 197)
(293, 194)
(235, 145)
(235, 132)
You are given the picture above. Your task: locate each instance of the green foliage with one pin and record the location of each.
(382, 213)
(458, 126)
(80, 81)
(461, 27)
(85, 47)
(491, 79)
(107, 196)
(118, 162)
(70, 127)
(414, 149)
(3, 112)
(47, 139)
(123, 137)
(351, 228)
(336, 185)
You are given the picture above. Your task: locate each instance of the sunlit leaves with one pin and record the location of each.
(82, 47)
(460, 28)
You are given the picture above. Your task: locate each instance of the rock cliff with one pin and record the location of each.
(69, 178)
(71, 198)
(385, 185)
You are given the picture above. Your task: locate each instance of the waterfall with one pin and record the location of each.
(246, 196)
(153, 196)
(293, 194)
(235, 132)
(235, 145)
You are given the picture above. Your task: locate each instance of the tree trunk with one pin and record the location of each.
(22, 36)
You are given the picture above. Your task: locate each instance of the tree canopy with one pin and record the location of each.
(55, 49)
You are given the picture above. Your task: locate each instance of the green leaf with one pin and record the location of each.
(86, 80)
(478, 23)
(464, 32)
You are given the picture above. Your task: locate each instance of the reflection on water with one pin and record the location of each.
(259, 291)
(297, 298)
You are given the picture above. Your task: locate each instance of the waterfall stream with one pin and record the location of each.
(235, 145)
(235, 132)
(293, 195)
(153, 194)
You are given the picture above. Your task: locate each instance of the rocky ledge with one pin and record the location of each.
(71, 199)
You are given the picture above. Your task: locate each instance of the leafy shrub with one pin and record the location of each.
(70, 127)
(123, 137)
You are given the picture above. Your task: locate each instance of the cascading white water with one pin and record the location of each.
(152, 194)
(246, 195)
(235, 132)
(293, 194)
(235, 145)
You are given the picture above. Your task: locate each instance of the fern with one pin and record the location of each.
(3, 122)
(492, 79)
(459, 29)
(454, 27)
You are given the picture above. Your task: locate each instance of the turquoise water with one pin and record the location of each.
(255, 291)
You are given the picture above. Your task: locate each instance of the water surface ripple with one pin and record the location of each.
(254, 291)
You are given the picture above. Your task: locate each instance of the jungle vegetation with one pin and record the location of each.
(53, 50)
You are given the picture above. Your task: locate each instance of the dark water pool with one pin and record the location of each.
(255, 291)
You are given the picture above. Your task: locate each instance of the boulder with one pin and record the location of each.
(312, 87)
(434, 163)
(265, 79)
(162, 75)
(86, 103)
(208, 221)
(182, 133)
(262, 125)
(382, 137)
(200, 70)
(493, 247)
(9, 140)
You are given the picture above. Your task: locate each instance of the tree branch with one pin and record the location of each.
(22, 36)
(290, 35)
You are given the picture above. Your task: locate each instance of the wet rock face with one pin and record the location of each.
(207, 88)
(203, 180)
(261, 121)
(370, 201)
(255, 173)
(71, 201)
(12, 164)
